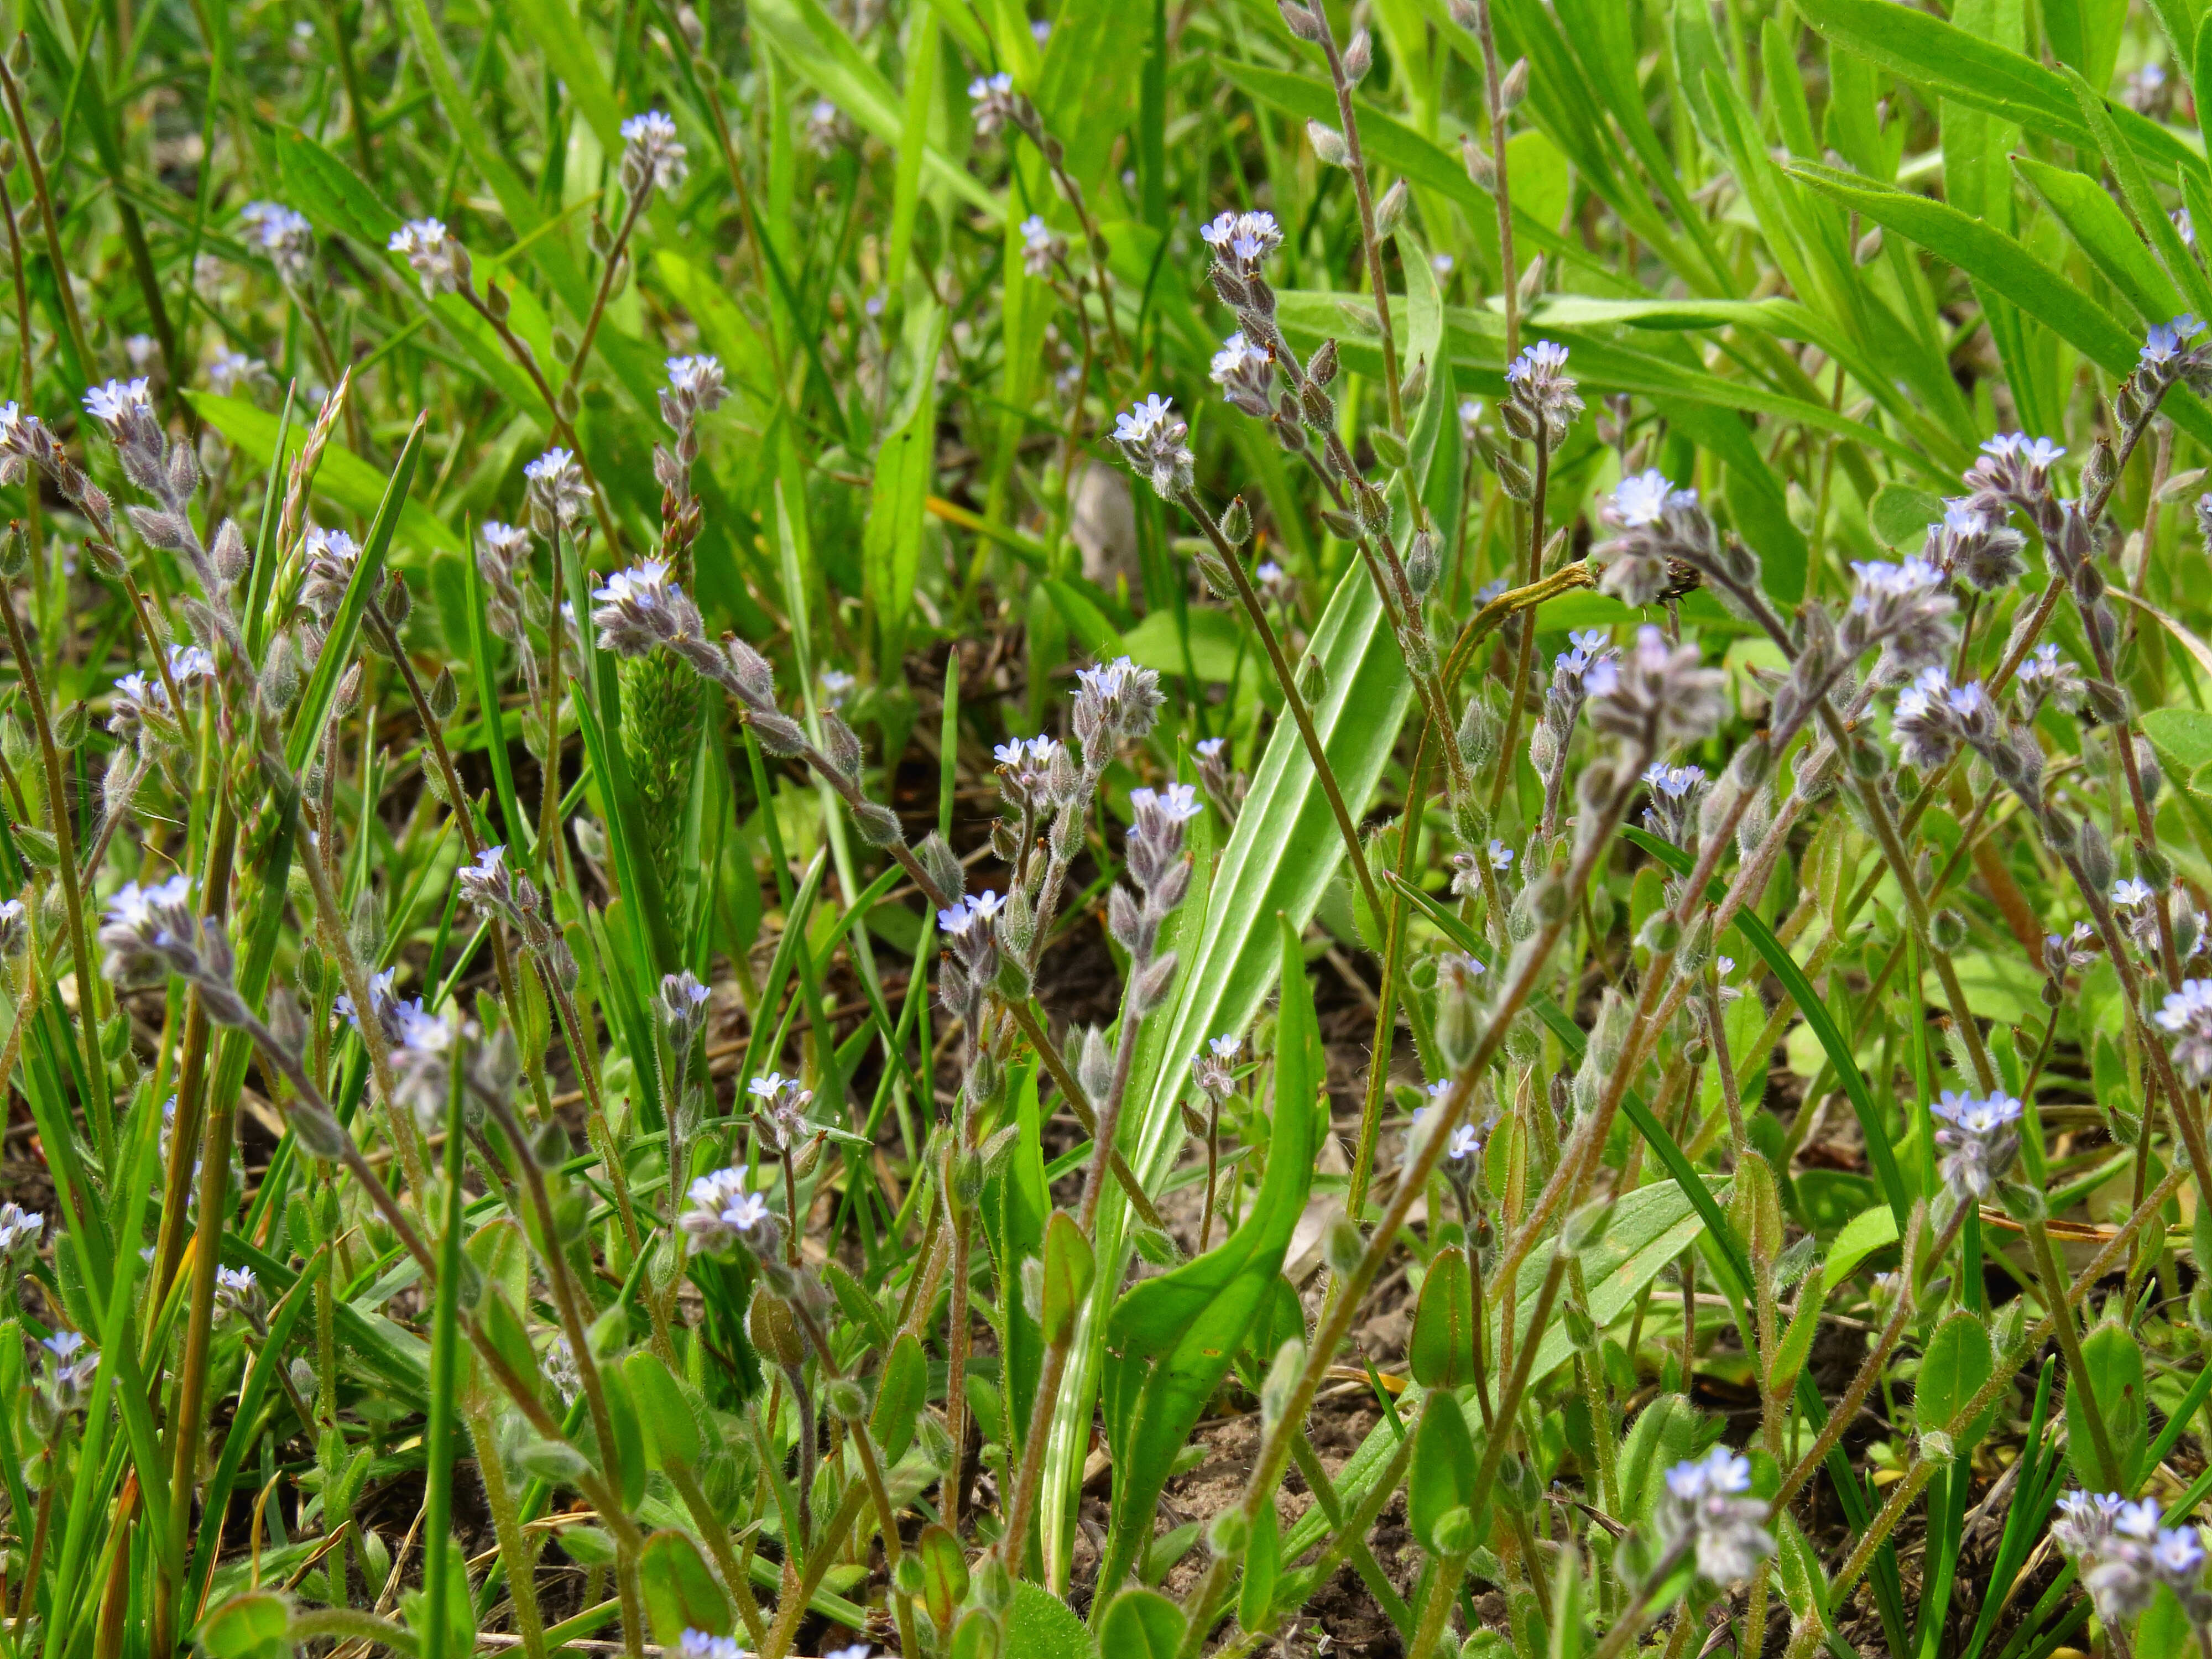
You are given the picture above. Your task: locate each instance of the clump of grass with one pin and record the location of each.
(745, 908)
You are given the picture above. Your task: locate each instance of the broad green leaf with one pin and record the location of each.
(1650, 1227)
(1477, 341)
(680, 1591)
(2115, 1362)
(1141, 1623)
(247, 1626)
(944, 1573)
(1804, 1580)
(1263, 1565)
(2150, 213)
(1069, 1267)
(2101, 231)
(809, 40)
(1666, 1432)
(1217, 641)
(344, 479)
(670, 1432)
(890, 549)
(1783, 966)
(1923, 48)
(1443, 1473)
(2007, 269)
(854, 1302)
(1040, 1626)
(1016, 1201)
(553, 29)
(1441, 1351)
(1697, 55)
(1900, 516)
(1086, 89)
(625, 1459)
(1169, 1341)
(1861, 1237)
(1277, 860)
(1567, 1633)
(2163, 1632)
(1958, 1360)
(1391, 144)
(2085, 35)
(902, 1392)
(921, 81)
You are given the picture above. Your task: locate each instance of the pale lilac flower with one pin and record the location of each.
(2164, 342)
(1151, 437)
(118, 403)
(2188, 1016)
(283, 234)
(1677, 792)
(1654, 694)
(1541, 397)
(2045, 677)
(438, 260)
(1246, 374)
(683, 1001)
(1974, 547)
(696, 385)
(149, 929)
(991, 102)
(1243, 241)
(229, 372)
(1115, 701)
(1980, 1137)
(19, 1229)
(1708, 1512)
(652, 157)
(1041, 249)
(558, 493)
(723, 1209)
(1902, 609)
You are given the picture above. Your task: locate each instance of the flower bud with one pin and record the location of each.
(1455, 1531)
(935, 1442)
(846, 1399)
(773, 1330)
(1423, 564)
(1515, 87)
(1586, 1226)
(1328, 145)
(2095, 853)
(1228, 1533)
(1282, 1381)
(966, 1178)
(1481, 167)
(1237, 522)
(1358, 58)
(1390, 211)
(1343, 1246)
